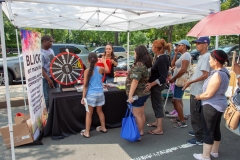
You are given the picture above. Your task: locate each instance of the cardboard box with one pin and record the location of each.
(22, 133)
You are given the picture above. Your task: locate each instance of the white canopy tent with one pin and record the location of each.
(101, 15)
(106, 15)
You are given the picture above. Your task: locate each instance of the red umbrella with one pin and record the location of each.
(222, 23)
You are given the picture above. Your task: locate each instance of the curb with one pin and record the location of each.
(15, 102)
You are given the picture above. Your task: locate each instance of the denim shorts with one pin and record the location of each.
(178, 92)
(140, 101)
(95, 99)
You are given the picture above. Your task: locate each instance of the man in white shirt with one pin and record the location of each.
(200, 74)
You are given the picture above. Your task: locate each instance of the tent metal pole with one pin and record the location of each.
(21, 72)
(217, 40)
(128, 34)
(6, 82)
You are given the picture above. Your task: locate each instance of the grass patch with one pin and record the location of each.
(9, 55)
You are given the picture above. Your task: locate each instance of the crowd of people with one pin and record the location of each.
(148, 77)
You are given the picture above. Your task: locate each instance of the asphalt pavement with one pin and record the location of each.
(109, 146)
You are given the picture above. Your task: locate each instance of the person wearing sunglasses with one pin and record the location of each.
(181, 65)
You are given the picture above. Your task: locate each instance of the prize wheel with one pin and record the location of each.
(66, 68)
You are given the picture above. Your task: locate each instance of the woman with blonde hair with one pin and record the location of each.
(157, 82)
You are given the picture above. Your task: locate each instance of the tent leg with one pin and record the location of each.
(128, 53)
(21, 70)
(6, 82)
(217, 40)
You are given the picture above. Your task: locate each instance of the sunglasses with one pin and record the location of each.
(181, 45)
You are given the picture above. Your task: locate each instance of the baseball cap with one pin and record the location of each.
(47, 38)
(184, 41)
(202, 40)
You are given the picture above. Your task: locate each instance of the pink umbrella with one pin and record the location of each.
(222, 23)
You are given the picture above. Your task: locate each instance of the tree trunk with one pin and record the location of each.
(170, 29)
(116, 39)
(51, 31)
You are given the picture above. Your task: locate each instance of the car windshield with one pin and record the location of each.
(225, 49)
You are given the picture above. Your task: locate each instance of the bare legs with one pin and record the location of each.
(178, 106)
(140, 118)
(207, 149)
(89, 120)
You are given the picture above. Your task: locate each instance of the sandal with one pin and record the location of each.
(99, 129)
(180, 125)
(82, 134)
(175, 120)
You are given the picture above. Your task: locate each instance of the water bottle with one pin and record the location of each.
(134, 98)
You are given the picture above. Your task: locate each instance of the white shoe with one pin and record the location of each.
(199, 157)
(215, 155)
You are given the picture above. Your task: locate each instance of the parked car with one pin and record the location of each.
(195, 54)
(14, 66)
(122, 65)
(229, 50)
(119, 51)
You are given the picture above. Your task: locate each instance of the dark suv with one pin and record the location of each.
(14, 66)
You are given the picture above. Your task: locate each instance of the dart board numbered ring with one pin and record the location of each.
(66, 68)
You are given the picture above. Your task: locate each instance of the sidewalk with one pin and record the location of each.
(16, 95)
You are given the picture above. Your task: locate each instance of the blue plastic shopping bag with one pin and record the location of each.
(129, 129)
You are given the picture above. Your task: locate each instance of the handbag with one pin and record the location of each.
(129, 130)
(232, 116)
(185, 77)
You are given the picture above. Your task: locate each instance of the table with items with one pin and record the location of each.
(67, 114)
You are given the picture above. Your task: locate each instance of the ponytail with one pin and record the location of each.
(92, 58)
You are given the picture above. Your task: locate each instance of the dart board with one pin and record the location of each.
(66, 68)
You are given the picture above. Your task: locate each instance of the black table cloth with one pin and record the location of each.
(67, 114)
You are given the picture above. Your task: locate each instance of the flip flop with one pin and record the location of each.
(151, 125)
(82, 134)
(99, 129)
(153, 133)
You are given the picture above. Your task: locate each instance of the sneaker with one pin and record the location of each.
(172, 115)
(200, 157)
(173, 112)
(191, 133)
(215, 155)
(194, 141)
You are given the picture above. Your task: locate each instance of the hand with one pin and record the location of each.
(112, 61)
(176, 51)
(236, 68)
(148, 86)
(186, 85)
(130, 99)
(82, 101)
(172, 80)
(50, 83)
(197, 97)
(103, 59)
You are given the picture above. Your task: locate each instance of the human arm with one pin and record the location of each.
(84, 86)
(104, 69)
(202, 77)
(212, 87)
(132, 90)
(50, 82)
(114, 62)
(174, 57)
(236, 69)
